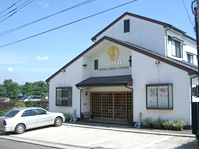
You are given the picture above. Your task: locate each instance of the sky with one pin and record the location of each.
(36, 59)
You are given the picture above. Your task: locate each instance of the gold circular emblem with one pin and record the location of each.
(113, 53)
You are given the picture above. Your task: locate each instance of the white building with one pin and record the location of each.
(137, 67)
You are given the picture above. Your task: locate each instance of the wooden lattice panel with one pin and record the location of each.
(111, 105)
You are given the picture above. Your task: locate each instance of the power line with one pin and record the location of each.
(187, 12)
(67, 24)
(15, 10)
(22, 26)
(10, 7)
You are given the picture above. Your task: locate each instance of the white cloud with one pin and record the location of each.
(44, 58)
(10, 69)
(44, 4)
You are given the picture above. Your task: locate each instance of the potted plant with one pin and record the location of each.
(168, 124)
(147, 123)
(179, 125)
(157, 123)
(67, 117)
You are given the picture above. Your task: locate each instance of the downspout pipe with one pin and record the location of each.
(167, 40)
(80, 101)
(132, 100)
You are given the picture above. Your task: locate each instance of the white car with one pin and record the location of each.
(21, 119)
(30, 98)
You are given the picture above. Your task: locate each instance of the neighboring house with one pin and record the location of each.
(4, 99)
(137, 67)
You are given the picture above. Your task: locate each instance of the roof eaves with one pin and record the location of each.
(72, 61)
(189, 68)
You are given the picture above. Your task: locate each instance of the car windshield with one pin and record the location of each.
(11, 113)
(24, 98)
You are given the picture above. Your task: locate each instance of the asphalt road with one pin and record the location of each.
(10, 144)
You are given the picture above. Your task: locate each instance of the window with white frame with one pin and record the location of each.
(177, 49)
(64, 96)
(159, 96)
(190, 58)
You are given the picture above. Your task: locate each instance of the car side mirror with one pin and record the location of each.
(47, 112)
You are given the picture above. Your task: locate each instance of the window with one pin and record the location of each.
(177, 49)
(190, 58)
(126, 26)
(40, 111)
(64, 96)
(159, 96)
(95, 64)
(130, 61)
(29, 113)
(11, 113)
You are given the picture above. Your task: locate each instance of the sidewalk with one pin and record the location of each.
(126, 128)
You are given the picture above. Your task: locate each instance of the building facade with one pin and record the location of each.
(137, 67)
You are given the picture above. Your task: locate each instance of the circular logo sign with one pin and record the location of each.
(113, 53)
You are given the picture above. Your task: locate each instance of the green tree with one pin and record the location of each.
(12, 89)
(40, 88)
(2, 91)
(37, 88)
(27, 89)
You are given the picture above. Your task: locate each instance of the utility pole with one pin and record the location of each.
(195, 106)
(196, 9)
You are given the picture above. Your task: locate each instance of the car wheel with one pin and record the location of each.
(58, 121)
(20, 128)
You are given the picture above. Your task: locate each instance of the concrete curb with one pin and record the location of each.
(131, 130)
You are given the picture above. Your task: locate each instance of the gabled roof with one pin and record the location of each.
(143, 18)
(191, 69)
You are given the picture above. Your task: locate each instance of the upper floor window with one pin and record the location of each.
(64, 96)
(95, 64)
(177, 49)
(126, 26)
(190, 58)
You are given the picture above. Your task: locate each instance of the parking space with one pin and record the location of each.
(77, 136)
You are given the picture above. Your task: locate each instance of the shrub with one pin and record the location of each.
(2, 113)
(29, 104)
(158, 122)
(19, 105)
(179, 124)
(147, 121)
(168, 123)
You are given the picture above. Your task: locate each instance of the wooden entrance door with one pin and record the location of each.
(111, 105)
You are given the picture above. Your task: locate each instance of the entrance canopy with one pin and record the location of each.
(107, 81)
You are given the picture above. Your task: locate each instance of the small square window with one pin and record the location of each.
(126, 26)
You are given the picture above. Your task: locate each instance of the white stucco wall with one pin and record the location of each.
(189, 46)
(76, 73)
(142, 33)
(69, 78)
(145, 71)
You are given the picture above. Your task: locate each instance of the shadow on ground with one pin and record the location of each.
(190, 145)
